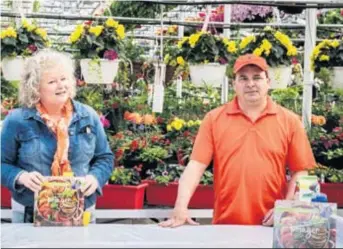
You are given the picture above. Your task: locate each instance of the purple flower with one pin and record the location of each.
(241, 12)
(32, 48)
(110, 54)
(105, 122)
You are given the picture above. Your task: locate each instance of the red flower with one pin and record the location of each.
(337, 129)
(110, 54)
(186, 133)
(115, 105)
(134, 145)
(88, 22)
(159, 120)
(119, 153)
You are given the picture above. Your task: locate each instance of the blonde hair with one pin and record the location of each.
(41, 62)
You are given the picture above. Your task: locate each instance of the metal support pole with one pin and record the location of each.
(310, 43)
(227, 19)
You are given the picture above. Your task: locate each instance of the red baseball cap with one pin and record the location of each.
(250, 59)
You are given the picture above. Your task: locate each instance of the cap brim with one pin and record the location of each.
(249, 63)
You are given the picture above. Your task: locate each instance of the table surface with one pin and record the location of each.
(138, 236)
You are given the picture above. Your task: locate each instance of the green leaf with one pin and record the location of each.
(9, 41)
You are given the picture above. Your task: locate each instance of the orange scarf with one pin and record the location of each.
(61, 164)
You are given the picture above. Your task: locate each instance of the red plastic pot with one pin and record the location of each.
(5, 197)
(122, 197)
(334, 192)
(165, 195)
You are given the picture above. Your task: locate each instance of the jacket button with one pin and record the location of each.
(71, 133)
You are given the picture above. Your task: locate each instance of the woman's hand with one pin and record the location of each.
(31, 180)
(91, 184)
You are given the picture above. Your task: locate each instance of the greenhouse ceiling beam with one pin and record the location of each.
(151, 21)
(298, 3)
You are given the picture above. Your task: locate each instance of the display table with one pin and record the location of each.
(115, 235)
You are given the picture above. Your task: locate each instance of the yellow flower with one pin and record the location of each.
(246, 41)
(121, 31)
(177, 125)
(266, 46)
(180, 43)
(206, 61)
(193, 39)
(324, 58)
(41, 32)
(75, 36)
(335, 43)
(173, 63)
(268, 28)
(258, 51)
(169, 127)
(96, 30)
(25, 23)
(9, 32)
(231, 47)
(190, 123)
(166, 58)
(180, 60)
(292, 51)
(111, 23)
(198, 122)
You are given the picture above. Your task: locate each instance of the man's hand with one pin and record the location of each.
(31, 180)
(90, 185)
(179, 218)
(268, 218)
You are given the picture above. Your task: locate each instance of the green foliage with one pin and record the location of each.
(92, 96)
(153, 154)
(125, 176)
(23, 41)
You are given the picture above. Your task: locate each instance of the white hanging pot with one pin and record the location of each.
(280, 77)
(210, 74)
(99, 71)
(337, 77)
(13, 68)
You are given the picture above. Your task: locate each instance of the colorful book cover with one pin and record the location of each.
(299, 224)
(60, 202)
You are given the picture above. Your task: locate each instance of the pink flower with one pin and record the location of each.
(105, 122)
(337, 129)
(32, 48)
(110, 54)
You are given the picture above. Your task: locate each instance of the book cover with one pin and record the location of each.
(299, 224)
(60, 202)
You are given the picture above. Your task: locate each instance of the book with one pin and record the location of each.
(60, 202)
(300, 224)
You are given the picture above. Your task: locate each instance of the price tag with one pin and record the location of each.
(158, 98)
(179, 87)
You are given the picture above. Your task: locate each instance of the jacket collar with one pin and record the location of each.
(79, 112)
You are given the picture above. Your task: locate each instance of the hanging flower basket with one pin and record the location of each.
(99, 71)
(280, 77)
(12, 68)
(337, 77)
(209, 74)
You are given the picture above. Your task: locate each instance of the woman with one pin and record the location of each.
(51, 135)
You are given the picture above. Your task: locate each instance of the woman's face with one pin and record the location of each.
(55, 87)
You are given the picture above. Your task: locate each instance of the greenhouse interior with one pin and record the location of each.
(171, 123)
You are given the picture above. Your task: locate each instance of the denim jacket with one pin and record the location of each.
(28, 145)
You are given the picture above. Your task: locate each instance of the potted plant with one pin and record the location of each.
(99, 49)
(18, 43)
(124, 190)
(329, 54)
(278, 50)
(207, 56)
(163, 187)
(5, 197)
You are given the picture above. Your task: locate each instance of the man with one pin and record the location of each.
(251, 140)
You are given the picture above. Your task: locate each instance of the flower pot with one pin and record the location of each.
(13, 68)
(5, 197)
(280, 77)
(165, 195)
(334, 192)
(209, 74)
(122, 197)
(337, 77)
(100, 71)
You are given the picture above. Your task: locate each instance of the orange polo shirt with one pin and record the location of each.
(250, 159)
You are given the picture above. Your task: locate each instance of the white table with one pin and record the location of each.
(138, 236)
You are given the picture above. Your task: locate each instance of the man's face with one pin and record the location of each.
(251, 84)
